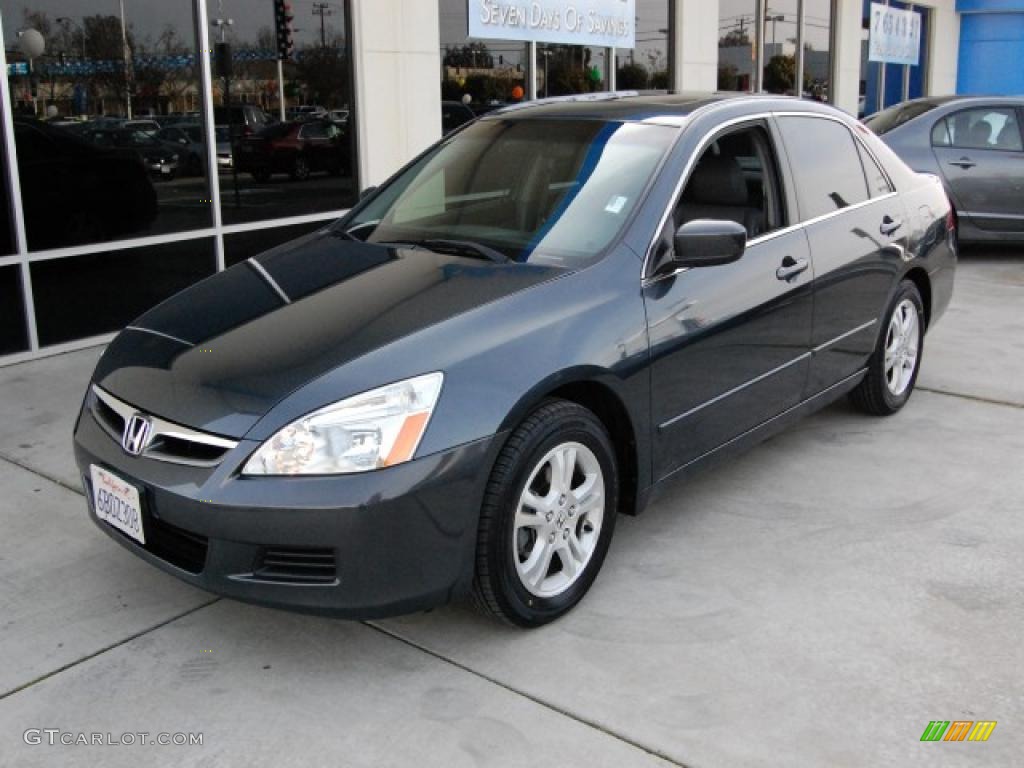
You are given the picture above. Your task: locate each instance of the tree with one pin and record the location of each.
(631, 77)
(324, 71)
(780, 74)
(735, 38)
(728, 78)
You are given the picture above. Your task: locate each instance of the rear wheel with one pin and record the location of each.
(548, 516)
(893, 368)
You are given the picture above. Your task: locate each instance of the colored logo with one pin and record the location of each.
(958, 730)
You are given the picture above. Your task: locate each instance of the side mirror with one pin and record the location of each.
(366, 192)
(704, 243)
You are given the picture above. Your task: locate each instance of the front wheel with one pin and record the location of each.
(548, 516)
(893, 368)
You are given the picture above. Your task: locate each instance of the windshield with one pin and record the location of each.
(551, 191)
(893, 117)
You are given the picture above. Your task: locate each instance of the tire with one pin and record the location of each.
(300, 169)
(894, 365)
(513, 534)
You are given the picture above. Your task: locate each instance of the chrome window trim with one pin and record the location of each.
(703, 145)
(160, 428)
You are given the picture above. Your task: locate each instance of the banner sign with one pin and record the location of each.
(895, 36)
(599, 23)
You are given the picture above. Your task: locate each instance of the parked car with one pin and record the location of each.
(73, 192)
(189, 143)
(297, 148)
(454, 114)
(161, 161)
(976, 146)
(242, 119)
(537, 324)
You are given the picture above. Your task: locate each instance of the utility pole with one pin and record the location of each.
(322, 10)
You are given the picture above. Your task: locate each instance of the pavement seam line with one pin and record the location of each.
(101, 651)
(973, 398)
(44, 475)
(530, 697)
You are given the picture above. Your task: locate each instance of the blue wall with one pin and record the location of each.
(991, 47)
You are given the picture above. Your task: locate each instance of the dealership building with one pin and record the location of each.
(90, 237)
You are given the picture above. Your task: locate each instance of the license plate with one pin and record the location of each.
(117, 503)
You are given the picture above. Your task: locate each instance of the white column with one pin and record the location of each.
(943, 43)
(396, 55)
(846, 55)
(696, 45)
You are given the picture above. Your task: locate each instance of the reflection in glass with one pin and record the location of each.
(477, 76)
(780, 47)
(564, 70)
(736, 40)
(82, 296)
(647, 65)
(293, 156)
(818, 50)
(13, 335)
(90, 91)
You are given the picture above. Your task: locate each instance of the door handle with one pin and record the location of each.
(791, 268)
(963, 162)
(889, 225)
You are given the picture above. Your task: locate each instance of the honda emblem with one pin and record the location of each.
(136, 434)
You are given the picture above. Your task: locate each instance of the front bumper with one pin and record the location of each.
(400, 539)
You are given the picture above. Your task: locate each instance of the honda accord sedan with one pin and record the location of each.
(546, 319)
(976, 146)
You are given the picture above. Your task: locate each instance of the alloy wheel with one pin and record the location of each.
(901, 347)
(558, 519)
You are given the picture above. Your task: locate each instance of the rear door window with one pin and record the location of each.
(979, 128)
(826, 166)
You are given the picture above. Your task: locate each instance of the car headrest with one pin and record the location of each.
(981, 133)
(717, 180)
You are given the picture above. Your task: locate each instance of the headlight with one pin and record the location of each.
(379, 428)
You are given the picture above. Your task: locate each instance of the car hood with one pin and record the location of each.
(220, 354)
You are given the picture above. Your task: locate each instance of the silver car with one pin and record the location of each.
(976, 146)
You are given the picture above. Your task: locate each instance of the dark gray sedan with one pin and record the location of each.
(976, 146)
(550, 317)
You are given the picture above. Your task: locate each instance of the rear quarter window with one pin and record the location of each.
(826, 165)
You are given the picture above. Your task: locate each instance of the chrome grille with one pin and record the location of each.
(168, 441)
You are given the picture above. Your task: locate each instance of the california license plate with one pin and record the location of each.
(117, 503)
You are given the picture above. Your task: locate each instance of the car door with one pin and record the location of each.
(730, 344)
(855, 225)
(981, 153)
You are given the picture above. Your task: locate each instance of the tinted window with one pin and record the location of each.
(878, 184)
(734, 180)
(825, 164)
(982, 128)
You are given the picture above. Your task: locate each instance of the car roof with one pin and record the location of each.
(660, 108)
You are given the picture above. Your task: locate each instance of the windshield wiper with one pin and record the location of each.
(464, 248)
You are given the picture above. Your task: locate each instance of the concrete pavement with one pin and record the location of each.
(814, 603)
